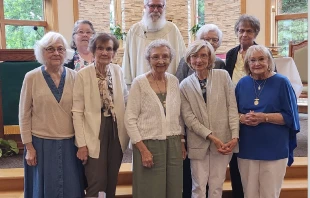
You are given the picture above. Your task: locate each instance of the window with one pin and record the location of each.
(23, 22)
(291, 23)
(201, 11)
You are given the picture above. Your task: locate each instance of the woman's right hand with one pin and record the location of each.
(31, 155)
(146, 155)
(218, 143)
(82, 154)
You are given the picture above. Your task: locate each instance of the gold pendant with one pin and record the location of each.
(256, 101)
(164, 103)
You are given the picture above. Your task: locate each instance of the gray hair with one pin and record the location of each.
(194, 47)
(147, 1)
(249, 20)
(258, 48)
(47, 40)
(75, 28)
(207, 28)
(158, 43)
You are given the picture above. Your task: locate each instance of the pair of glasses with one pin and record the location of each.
(158, 6)
(60, 50)
(260, 61)
(101, 49)
(212, 40)
(81, 33)
(249, 31)
(202, 56)
(157, 58)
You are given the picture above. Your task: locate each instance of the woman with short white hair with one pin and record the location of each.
(51, 166)
(210, 113)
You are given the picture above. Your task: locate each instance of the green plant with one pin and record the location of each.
(8, 148)
(195, 28)
(117, 32)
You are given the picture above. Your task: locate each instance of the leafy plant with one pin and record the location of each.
(195, 28)
(117, 32)
(8, 148)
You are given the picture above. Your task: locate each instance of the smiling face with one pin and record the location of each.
(160, 59)
(82, 35)
(54, 55)
(104, 52)
(258, 63)
(155, 9)
(200, 60)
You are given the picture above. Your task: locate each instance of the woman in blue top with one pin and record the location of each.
(269, 120)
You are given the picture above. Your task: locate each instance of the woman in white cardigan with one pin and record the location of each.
(152, 120)
(99, 98)
(210, 113)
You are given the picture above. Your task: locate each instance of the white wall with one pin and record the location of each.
(257, 8)
(65, 18)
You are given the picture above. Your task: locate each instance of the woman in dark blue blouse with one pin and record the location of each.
(269, 123)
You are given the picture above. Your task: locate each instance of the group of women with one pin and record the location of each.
(79, 123)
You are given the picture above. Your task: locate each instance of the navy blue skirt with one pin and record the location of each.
(58, 171)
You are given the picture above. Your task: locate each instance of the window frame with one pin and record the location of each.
(50, 22)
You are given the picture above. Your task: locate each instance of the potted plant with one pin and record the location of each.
(8, 148)
(195, 28)
(117, 32)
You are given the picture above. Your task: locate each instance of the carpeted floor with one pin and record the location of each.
(300, 151)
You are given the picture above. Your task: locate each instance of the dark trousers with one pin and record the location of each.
(236, 184)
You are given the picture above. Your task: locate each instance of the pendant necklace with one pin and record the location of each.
(260, 89)
(161, 93)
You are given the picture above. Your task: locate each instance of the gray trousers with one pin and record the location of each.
(165, 178)
(102, 173)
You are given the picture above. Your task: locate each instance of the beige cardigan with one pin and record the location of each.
(87, 108)
(219, 115)
(40, 114)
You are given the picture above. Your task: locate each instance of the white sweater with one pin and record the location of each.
(144, 116)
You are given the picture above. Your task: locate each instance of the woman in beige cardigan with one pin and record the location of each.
(99, 98)
(210, 113)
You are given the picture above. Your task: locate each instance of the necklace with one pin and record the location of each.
(162, 93)
(256, 100)
(259, 84)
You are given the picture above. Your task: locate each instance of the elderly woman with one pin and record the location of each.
(83, 30)
(153, 123)
(269, 120)
(212, 34)
(45, 120)
(99, 98)
(247, 28)
(210, 113)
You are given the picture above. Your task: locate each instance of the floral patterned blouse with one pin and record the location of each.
(79, 62)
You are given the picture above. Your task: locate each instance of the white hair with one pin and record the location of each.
(147, 1)
(207, 28)
(47, 40)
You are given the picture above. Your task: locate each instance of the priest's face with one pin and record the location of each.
(155, 9)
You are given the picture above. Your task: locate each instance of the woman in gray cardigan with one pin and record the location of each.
(210, 112)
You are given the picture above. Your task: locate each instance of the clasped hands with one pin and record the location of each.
(252, 118)
(222, 148)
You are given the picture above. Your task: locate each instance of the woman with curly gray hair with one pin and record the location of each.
(209, 111)
(153, 123)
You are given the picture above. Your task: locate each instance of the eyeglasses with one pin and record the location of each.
(101, 49)
(213, 40)
(249, 31)
(153, 6)
(157, 58)
(260, 61)
(51, 50)
(81, 33)
(202, 56)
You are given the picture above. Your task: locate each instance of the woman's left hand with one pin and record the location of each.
(184, 153)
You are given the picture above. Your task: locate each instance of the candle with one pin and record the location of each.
(272, 26)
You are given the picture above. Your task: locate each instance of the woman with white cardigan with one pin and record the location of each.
(153, 123)
(99, 98)
(210, 113)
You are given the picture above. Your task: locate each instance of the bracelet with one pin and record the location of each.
(240, 118)
(266, 118)
(183, 140)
